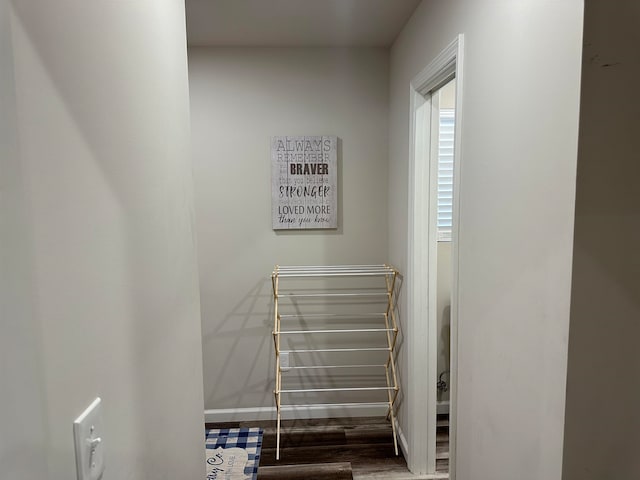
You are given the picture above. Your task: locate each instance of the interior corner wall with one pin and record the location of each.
(99, 284)
(602, 431)
(21, 392)
(519, 151)
(240, 98)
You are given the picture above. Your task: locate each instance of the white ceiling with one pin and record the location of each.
(296, 23)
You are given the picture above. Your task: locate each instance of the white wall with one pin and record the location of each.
(520, 121)
(240, 98)
(106, 302)
(602, 430)
(21, 395)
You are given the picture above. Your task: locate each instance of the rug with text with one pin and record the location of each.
(233, 453)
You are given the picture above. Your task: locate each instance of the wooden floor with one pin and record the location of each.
(336, 449)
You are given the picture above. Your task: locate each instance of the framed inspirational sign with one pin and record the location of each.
(304, 186)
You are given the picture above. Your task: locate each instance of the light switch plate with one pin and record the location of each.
(89, 442)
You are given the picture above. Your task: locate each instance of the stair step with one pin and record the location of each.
(316, 471)
(442, 422)
(326, 453)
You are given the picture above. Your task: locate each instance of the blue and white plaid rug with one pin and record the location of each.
(233, 453)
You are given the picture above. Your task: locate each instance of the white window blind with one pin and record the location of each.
(445, 173)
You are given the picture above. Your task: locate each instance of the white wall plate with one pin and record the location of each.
(89, 442)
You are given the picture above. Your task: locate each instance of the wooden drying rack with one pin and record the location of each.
(387, 319)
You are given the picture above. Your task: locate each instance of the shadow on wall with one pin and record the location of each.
(245, 334)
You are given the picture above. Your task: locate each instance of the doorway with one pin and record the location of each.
(443, 134)
(434, 179)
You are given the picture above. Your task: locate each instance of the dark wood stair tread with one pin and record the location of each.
(315, 471)
(327, 453)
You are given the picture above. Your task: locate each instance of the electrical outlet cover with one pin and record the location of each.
(284, 361)
(89, 442)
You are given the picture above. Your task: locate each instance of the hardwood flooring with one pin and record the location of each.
(337, 449)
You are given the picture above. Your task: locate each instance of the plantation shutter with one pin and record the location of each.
(445, 174)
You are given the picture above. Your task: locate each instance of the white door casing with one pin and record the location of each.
(422, 258)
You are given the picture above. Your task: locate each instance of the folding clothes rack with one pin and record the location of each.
(386, 326)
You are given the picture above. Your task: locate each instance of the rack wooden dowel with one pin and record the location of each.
(387, 328)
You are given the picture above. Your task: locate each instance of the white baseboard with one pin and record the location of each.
(404, 445)
(442, 408)
(307, 411)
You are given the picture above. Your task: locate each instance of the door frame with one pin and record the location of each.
(422, 336)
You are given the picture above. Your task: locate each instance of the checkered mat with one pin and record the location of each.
(233, 453)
